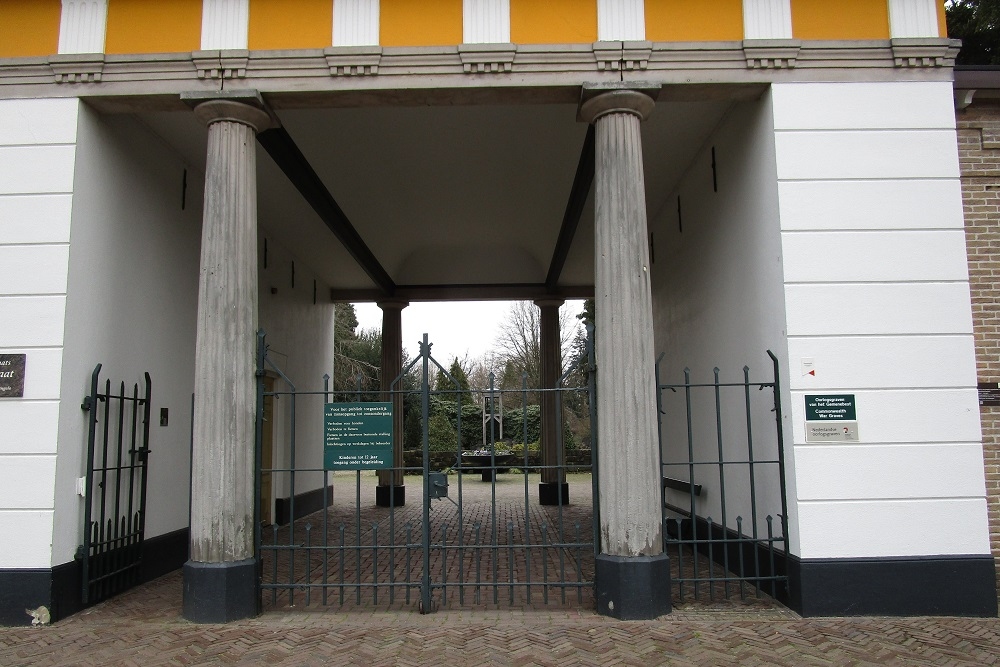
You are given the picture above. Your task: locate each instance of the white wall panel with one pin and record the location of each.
(875, 154)
(36, 169)
(767, 19)
(82, 26)
(893, 528)
(38, 121)
(885, 204)
(913, 18)
(863, 362)
(32, 321)
(35, 218)
(225, 24)
(33, 530)
(485, 21)
(27, 482)
(905, 308)
(846, 472)
(874, 256)
(29, 427)
(906, 416)
(33, 269)
(621, 20)
(355, 22)
(863, 106)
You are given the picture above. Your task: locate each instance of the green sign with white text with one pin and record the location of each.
(831, 407)
(357, 436)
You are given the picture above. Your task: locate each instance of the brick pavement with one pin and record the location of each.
(144, 627)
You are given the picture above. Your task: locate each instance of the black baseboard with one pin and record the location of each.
(164, 553)
(390, 496)
(21, 590)
(60, 588)
(305, 503)
(760, 563)
(914, 586)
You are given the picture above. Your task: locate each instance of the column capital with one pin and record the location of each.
(598, 101)
(238, 106)
(550, 302)
(392, 304)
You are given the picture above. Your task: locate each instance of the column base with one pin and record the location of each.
(549, 493)
(632, 589)
(220, 592)
(390, 496)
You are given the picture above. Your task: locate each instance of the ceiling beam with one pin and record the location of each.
(471, 292)
(582, 183)
(286, 154)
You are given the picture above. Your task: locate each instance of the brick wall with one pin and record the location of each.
(979, 152)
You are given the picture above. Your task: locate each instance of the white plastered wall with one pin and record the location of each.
(131, 306)
(300, 341)
(718, 302)
(37, 156)
(877, 295)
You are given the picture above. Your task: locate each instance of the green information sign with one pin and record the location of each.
(357, 436)
(835, 407)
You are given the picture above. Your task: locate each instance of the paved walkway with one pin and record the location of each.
(143, 627)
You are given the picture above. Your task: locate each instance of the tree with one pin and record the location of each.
(977, 24)
(356, 354)
(519, 344)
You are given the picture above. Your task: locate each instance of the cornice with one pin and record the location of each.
(478, 66)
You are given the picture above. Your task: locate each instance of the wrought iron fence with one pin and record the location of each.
(115, 488)
(723, 456)
(475, 536)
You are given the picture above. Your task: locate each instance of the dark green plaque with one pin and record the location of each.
(831, 407)
(357, 436)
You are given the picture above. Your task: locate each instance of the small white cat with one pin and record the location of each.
(39, 616)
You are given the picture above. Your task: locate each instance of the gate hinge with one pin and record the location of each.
(85, 406)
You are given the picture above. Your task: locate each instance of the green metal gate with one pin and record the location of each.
(475, 536)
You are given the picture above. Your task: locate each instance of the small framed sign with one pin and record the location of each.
(831, 418)
(357, 436)
(12, 375)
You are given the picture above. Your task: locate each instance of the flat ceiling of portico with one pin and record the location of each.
(448, 195)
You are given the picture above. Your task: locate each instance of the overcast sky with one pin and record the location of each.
(456, 328)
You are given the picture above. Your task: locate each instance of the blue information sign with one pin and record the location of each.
(357, 436)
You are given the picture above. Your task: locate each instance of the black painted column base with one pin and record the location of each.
(632, 589)
(549, 492)
(390, 496)
(220, 592)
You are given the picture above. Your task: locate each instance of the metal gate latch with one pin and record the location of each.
(438, 485)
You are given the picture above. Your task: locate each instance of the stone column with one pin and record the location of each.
(632, 572)
(220, 577)
(391, 491)
(553, 479)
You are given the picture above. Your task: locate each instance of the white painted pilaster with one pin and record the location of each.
(38, 150)
(224, 24)
(486, 21)
(355, 22)
(767, 19)
(913, 18)
(82, 26)
(621, 20)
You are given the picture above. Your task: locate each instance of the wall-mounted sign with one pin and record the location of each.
(830, 407)
(989, 393)
(12, 375)
(831, 418)
(357, 436)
